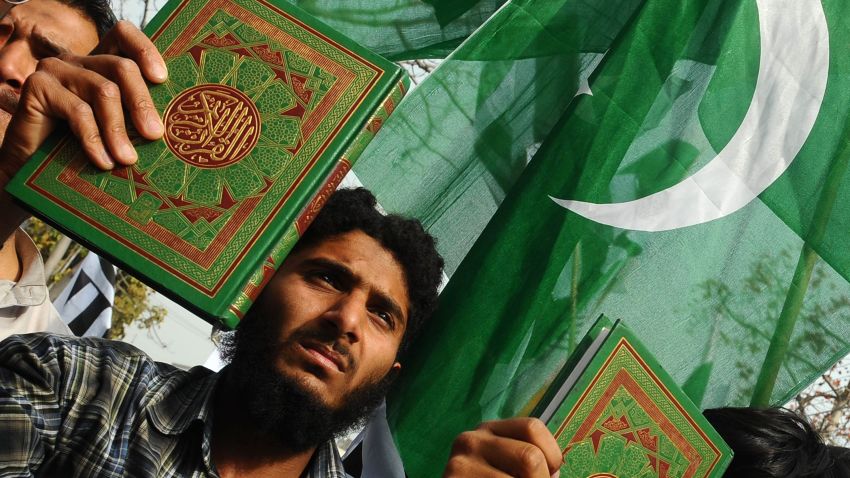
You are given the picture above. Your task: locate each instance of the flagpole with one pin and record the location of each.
(784, 328)
(781, 339)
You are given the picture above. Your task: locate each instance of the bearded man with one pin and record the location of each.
(311, 359)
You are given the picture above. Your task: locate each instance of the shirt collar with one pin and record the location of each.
(326, 462)
(30, 289)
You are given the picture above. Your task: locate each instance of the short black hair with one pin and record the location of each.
(415, 250)
(776, 443)
(98, 11)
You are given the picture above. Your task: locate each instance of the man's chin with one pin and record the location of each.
(286, 408)
(283, 399)
(292, 405)
(310, 380)
(309, 385)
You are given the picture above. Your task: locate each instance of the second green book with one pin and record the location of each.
(617, 414)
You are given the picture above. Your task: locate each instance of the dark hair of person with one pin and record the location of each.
(776, 443)
(98, 11)
(415, 250)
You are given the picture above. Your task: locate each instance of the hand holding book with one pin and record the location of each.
(515, 446)
(90, 93)
(615, 411)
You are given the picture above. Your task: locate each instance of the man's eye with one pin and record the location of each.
(43, 55)
(329, 279)
(384, 316)
(45, 51)
(325, 277)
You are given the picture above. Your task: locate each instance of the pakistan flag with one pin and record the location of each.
(678, 165)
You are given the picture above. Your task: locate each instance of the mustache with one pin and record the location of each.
(8, 100)
(329, 338)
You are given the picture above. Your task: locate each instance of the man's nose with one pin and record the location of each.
(16, 64)
(348, 316)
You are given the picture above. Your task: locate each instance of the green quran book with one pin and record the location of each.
(265, 110)
(617, 414)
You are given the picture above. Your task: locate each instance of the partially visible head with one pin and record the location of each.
(329, 327)
(776, 443)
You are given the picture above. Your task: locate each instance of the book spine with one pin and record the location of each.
(263, 275)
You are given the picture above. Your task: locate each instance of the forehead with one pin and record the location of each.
(60, 22)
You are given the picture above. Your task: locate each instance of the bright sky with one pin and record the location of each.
(182, 339)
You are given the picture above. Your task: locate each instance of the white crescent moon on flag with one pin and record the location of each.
(789, 90)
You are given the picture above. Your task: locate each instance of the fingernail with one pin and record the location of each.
(155, 126)
(557, 474)
(107, 161)
(159, 72)
(128, 153)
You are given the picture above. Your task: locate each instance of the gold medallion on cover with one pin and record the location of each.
(211, 125)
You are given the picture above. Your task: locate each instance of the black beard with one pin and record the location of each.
(280, 406)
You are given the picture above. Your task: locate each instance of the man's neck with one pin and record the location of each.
(239, 450)
(10, 264)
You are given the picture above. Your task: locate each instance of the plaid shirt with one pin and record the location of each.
(97, 408)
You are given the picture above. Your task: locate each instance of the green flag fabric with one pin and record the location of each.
(459, 141)
(404, 29)
(729, 116)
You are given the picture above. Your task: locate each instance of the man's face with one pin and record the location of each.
(315, 354)
(341, 308)
(33, 31)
